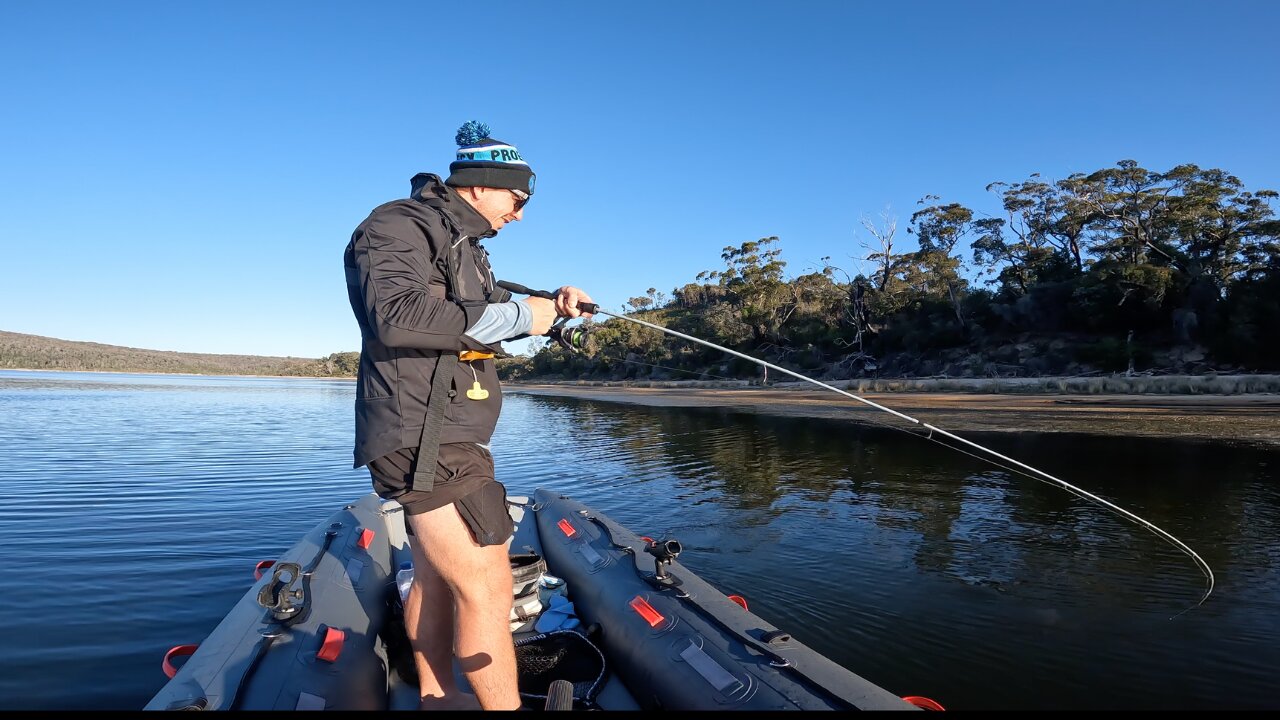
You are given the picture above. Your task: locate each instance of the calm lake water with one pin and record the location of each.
(136, 507)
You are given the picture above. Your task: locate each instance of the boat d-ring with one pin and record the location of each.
(176, 652)
(262, 565)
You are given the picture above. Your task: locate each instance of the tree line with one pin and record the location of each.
(35, 352)
(1121, 270)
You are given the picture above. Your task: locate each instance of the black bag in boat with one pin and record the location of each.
(560, 655)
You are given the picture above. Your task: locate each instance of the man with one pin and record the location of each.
(428, 398)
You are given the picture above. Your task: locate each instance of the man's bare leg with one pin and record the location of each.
(428, 620)
(479, 581)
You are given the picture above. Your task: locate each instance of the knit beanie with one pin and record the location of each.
(485, 162)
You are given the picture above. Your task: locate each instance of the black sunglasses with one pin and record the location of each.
(521, 199)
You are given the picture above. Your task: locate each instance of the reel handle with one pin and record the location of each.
(519, 289)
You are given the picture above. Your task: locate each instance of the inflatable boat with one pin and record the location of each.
(602, 619)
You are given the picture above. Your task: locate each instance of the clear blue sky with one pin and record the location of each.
(185, 175)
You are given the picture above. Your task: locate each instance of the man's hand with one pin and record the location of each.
(567, 299)
(544, 313)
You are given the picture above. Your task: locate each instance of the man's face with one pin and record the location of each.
(497, 205)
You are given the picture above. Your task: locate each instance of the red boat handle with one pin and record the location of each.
(176, 652)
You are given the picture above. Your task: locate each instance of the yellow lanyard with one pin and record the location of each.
(476, 392)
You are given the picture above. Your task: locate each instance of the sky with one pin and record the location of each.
(185, 176)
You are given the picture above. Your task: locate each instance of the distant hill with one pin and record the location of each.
(34, 352)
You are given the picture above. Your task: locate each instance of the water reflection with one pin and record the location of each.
(851, 523)
(965, 520)
(924, 570)
(45, 386)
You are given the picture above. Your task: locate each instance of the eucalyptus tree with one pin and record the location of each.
(938, 229)
(753, 279)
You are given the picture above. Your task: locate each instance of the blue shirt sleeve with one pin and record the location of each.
(502, 321)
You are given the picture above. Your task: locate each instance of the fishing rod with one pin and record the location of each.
(574, 340)
(1039, 475)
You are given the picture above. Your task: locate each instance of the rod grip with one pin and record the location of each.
(519, 289)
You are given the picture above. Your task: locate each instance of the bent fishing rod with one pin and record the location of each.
(1040, 475)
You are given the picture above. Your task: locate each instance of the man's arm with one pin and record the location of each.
(392, 274)
(502, 321)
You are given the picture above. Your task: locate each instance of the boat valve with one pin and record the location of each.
(663, 553)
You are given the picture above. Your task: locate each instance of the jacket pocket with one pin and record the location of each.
(377, 427)
(374, 380)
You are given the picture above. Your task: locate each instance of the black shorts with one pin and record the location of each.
(464, 477)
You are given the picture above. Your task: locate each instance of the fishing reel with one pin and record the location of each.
(572, 339)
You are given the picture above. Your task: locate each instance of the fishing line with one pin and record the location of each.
(1039, 475)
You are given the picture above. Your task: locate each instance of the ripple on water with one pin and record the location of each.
(137, 507)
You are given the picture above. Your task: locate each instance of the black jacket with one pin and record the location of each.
(417, 278)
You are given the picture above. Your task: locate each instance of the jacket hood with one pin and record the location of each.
(430, 190)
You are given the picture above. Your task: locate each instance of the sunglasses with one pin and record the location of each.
(521, 199)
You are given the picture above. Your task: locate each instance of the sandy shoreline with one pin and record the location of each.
(1250, 419)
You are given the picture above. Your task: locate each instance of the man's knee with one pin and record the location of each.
(449, 546)
(475, 597)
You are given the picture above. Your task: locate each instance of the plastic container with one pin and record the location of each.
(549, 585)
(404, 580)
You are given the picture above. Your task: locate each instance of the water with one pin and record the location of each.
(135, 508)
